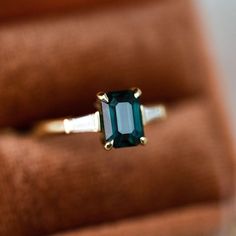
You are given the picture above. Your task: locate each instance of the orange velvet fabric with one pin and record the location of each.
(203, 220)
(14, 9)
(60, 64)
(53, 66)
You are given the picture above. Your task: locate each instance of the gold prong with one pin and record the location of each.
(143, 140)
(109, 145)
(137, 92)
(102, 97)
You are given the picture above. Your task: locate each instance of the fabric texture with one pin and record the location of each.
(194, 221)
(53, 66)
(61, 64)
(14, 9)
(59, 184)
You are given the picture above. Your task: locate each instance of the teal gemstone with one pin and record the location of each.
(121, 119)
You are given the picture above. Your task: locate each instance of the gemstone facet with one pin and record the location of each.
(121, 119)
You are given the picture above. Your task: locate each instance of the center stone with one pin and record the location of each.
(125, 119)
(122, 119)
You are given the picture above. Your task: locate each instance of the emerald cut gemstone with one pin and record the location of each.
(121, 119)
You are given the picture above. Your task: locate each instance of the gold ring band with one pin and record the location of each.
(120, 117)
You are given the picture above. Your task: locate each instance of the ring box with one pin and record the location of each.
(52, 65)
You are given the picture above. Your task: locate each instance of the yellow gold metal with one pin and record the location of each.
(137, 92)
(143, 140)
(52, 126)
(103, 97)
(88, 123)
(109, 145)
(92, 122)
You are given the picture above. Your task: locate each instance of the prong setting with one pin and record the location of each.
(103, 97)
(109, 145)
(137, 92)
(143, 140)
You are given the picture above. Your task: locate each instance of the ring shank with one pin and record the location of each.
(91, 123)
(50, 127)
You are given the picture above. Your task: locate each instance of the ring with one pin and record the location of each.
(120, 117)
